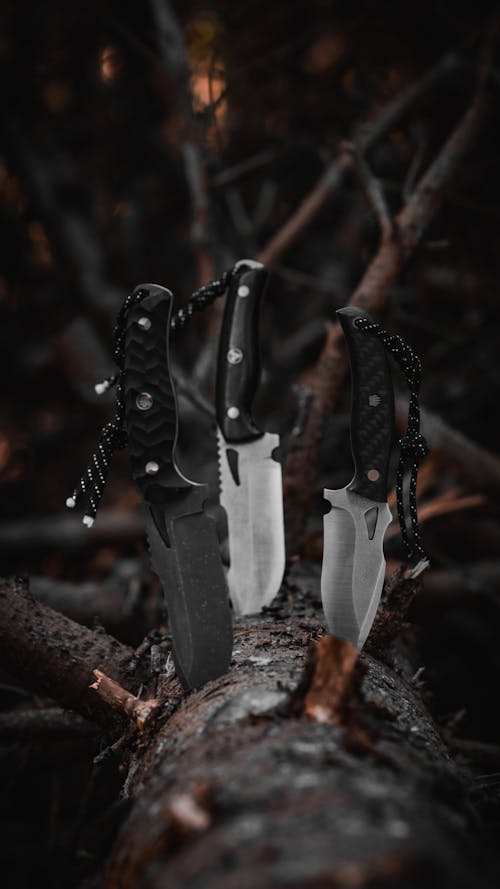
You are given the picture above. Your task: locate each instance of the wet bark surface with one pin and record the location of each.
(307, 765)
(55, 655)
(272, 776)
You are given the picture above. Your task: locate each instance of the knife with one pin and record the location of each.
(182, 539)
(250, 476)
(353, 558)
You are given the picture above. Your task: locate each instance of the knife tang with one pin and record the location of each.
(150, 401)
(238, 368)
(372, 406)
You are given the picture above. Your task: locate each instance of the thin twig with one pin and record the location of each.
(373, 189)
(446, 504)
(469, 460)
(333, 177)
(118, 698)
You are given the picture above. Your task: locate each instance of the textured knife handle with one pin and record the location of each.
(238, 368)
(372, 406)
(150, 402)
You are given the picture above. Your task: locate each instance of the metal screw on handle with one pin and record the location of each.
(235, 356)
(144, 401)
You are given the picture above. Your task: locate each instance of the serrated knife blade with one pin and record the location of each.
(250, 476)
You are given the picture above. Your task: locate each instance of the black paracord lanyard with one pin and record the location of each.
(113, 436)
(413, 446)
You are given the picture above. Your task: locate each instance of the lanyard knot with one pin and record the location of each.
(414, 447)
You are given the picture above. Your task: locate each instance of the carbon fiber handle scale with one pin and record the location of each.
(372, 406)
(238, 368)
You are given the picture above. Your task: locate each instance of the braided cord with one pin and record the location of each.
(413, 446)
(113, 435)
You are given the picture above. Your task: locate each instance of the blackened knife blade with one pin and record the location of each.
(182, 539)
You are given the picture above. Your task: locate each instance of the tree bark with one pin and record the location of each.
(293, 770)
(55, 656)
(307, 765)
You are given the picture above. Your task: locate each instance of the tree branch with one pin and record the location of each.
(333, 177)
(46, 723)
(472, 462)
(374, 191)
(327, 378)
(123, 701)
(173, 59)
(56, 656)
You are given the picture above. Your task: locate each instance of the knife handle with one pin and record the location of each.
(238, 366)
(372, 406)
(149, 395)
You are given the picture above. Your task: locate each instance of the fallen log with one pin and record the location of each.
(307, 765)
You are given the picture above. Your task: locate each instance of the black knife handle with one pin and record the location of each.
(149, 394)
(372, 406)
(238, 366)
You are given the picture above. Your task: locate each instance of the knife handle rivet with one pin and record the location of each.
(233, 413)
(235, 356)
(152, 467)
(144, 401)
(144, 323)
(243, 290)
(373, 475)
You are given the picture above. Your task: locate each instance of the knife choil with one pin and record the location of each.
(182, 538)
(250, 476)
(353, 558)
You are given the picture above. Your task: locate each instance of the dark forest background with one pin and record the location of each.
(146, 142)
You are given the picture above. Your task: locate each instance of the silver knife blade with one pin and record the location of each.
(353, 564)
(251, 493)
(251, 486)
(353, 567)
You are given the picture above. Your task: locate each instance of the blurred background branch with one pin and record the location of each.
(354, 148)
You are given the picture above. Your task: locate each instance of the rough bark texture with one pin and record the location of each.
(56, 656)
(284, 775)
(307, 765)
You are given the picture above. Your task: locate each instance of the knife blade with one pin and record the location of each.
(181, 536)
(250, 476)
(353, 567)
